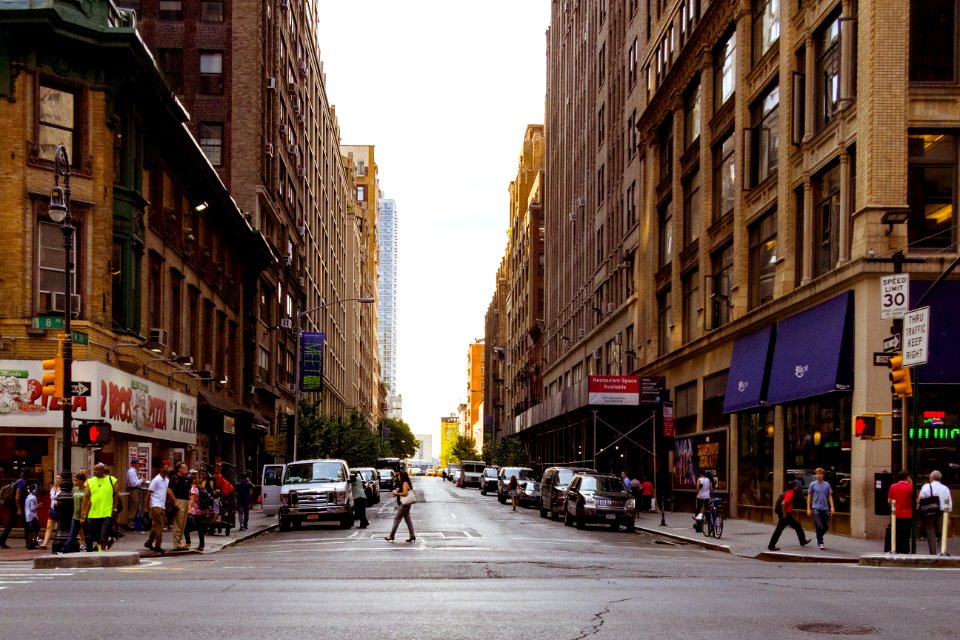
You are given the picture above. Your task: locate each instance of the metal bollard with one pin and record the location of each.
(893, 526)
(943, 533)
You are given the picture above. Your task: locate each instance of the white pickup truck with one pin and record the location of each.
(316, 490)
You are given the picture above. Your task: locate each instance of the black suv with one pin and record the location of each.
(553, 489)
(598, 498)
(503, 480)
(488, 481)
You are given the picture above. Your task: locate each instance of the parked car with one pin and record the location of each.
(503, 480)
(451, 467)
(371, 484)
(553, 489)
(471, 471)
(316, 490)
(385, 477)
(488, 481)
(454, 477)
(598, 498)
(528, 493)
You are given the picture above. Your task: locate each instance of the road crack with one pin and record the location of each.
(598, 619)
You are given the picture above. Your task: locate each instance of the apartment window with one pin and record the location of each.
(692, 115)
(763, 259)
(50, 266)
(632, 140)
(933, 40)
(932, 190)
(58, 117)
(722, 276)
(724, 177)
(598, 253)
(714, 388)
(666, 233)
(602, 65)
(170, 10)
(361, 193)
(766, 25)
(827, 221)
(632, 64)
(666, 149)
(691, 306)
(634, 5)
(664, 322)
(211, 142)
(602, 10)
(601, 184)
(211, 72)
(631, 204)
(601, 122)
(725, 71)
(171, 65)
(211, 10)
(766, 135)
(685, 408)
(828, 72)
(692, 205)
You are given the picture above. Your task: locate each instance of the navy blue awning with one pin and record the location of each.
(943, 348)
(813, 353)
(749, 372)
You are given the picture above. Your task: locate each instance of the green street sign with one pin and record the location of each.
(48, 322)
(80, 338)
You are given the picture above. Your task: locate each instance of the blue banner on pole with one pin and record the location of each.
(311, 361)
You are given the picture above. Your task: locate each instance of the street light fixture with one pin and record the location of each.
(297, 385)
(59, 211)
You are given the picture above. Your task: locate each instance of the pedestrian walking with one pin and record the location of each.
(244, 491)
(180, 486)
(901, 492)
(932, 524)
(625, 479)
(513, 491)
(784, 511)
(195, 512)
(99, 506)
(820, 504)
(158, 492)
(72, 538)
(52, 512)
(134, 494)
(8, 498)
(403, 512)
(359, 500)
(646, 494)
(31, 523)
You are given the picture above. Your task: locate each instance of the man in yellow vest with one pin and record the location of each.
(100, 500)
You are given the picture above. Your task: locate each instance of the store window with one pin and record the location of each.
(714, 388)
(818, 434)
(932, 190)
(685, 408)
(755, 458)
(933, 40)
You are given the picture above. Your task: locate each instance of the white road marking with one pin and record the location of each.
(453, 515)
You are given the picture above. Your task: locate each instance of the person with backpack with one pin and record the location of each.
(784, 510)
(244, 491)
(933, 522)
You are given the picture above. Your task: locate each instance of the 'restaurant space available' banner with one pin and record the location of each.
(613, 390)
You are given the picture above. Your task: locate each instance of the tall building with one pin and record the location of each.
(387, 301)
(425, 450)
(472, 413)
(725, 185)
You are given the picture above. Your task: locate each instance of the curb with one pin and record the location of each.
(714, 546)
(775, 556)
(86, 560)
(909, 561)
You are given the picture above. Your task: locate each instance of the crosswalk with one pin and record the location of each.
(24, 573)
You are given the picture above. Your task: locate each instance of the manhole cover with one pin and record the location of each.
(837, 629)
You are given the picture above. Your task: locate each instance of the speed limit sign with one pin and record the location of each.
(894, 295)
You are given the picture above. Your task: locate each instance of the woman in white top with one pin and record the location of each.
(932, 524)
(52, 514)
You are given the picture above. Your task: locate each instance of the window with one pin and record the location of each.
(766, 135)
(664, 322)
(932, 190)
(933, 41)
(826, 250)
(171, 65)
(691, 115)
(692, 205)
(766, 26)
(666, 149)
(685, 408)
(211, 10)
(602, 10)
(666, 233)
(57, 122)
(361, 193)
(755, 433)
(601, 184)
(828, 72)
(211, 142)
(211, 72)
(170, 10)
(722, 276)
(51, 263)
(632, 64)
(763, 259)
(714, 388)
(725, 71)
(631, 204)
(601, 121)
(691, 306)
(602, 65)
(632, 140)
(724, 177)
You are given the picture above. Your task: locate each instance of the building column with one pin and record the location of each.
(807, 247)
(845, 222)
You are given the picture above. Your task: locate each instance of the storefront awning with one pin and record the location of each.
(813, 352)
(218, 402)
(258, 421)
(749, 372)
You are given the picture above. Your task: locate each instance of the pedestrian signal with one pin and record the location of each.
(900, 386)
(93, 432)
(866, 426)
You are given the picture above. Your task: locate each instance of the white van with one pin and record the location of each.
(270, 481)
(316, 490)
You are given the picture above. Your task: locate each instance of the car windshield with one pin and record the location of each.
(603, 483)
(366, 474)
(530, 485)
(386, 473)
(490, 473)
(522, 474)
(470, 467)
(564, 476)
(304, 472)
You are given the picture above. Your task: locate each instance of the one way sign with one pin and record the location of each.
(81, 389)
(892, 343)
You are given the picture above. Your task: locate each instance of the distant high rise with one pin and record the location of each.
(387, 300)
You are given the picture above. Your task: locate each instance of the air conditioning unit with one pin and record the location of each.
(597, 354)
(286, 323)
(580, 202)
(303, 281)
(288, 259)
(292, 149)
(611, 306)
(158, 336)
(572, 216)
(271, 83)
(618, 339)
(284, 4)
(291, 86)
(302, 228)
(301, 172)
(283, 129)
(269, 149)
(303, 67)
(56, 303)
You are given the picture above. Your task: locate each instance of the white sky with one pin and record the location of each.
(444, 89)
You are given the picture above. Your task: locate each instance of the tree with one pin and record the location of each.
(400, 443)
(491, 452)
(465, 448)
(334, 437)
(511, 453)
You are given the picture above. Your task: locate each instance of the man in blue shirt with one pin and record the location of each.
(820, 504)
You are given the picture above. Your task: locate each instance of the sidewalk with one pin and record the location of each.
(749, 539)
(132, 543)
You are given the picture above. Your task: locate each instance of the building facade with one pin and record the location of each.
(389, 228)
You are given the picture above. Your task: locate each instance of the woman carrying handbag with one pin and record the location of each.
(407, 498)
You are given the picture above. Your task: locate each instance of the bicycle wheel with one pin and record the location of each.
(708, 524)
(718, 525)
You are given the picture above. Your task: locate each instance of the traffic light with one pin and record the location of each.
(53, 374)
(93, 432)
(901, 386)
(866, 426)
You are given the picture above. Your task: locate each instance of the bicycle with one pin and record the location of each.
(713, 519)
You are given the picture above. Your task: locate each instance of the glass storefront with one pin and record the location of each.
(755, 458)
(933, 439)
(818, 434)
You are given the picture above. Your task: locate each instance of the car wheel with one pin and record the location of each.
(295, 524)
(631, 528)
(581, 524)
(543, 512)
(483, 491)
(567, 520)
(346, 522)
(284, 524)
(615, 526)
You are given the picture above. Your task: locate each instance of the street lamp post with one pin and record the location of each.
(299, 380)
(59, 211)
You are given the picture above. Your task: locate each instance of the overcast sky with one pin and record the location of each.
(444, 89)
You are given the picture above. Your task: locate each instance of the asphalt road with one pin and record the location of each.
(478, 571)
